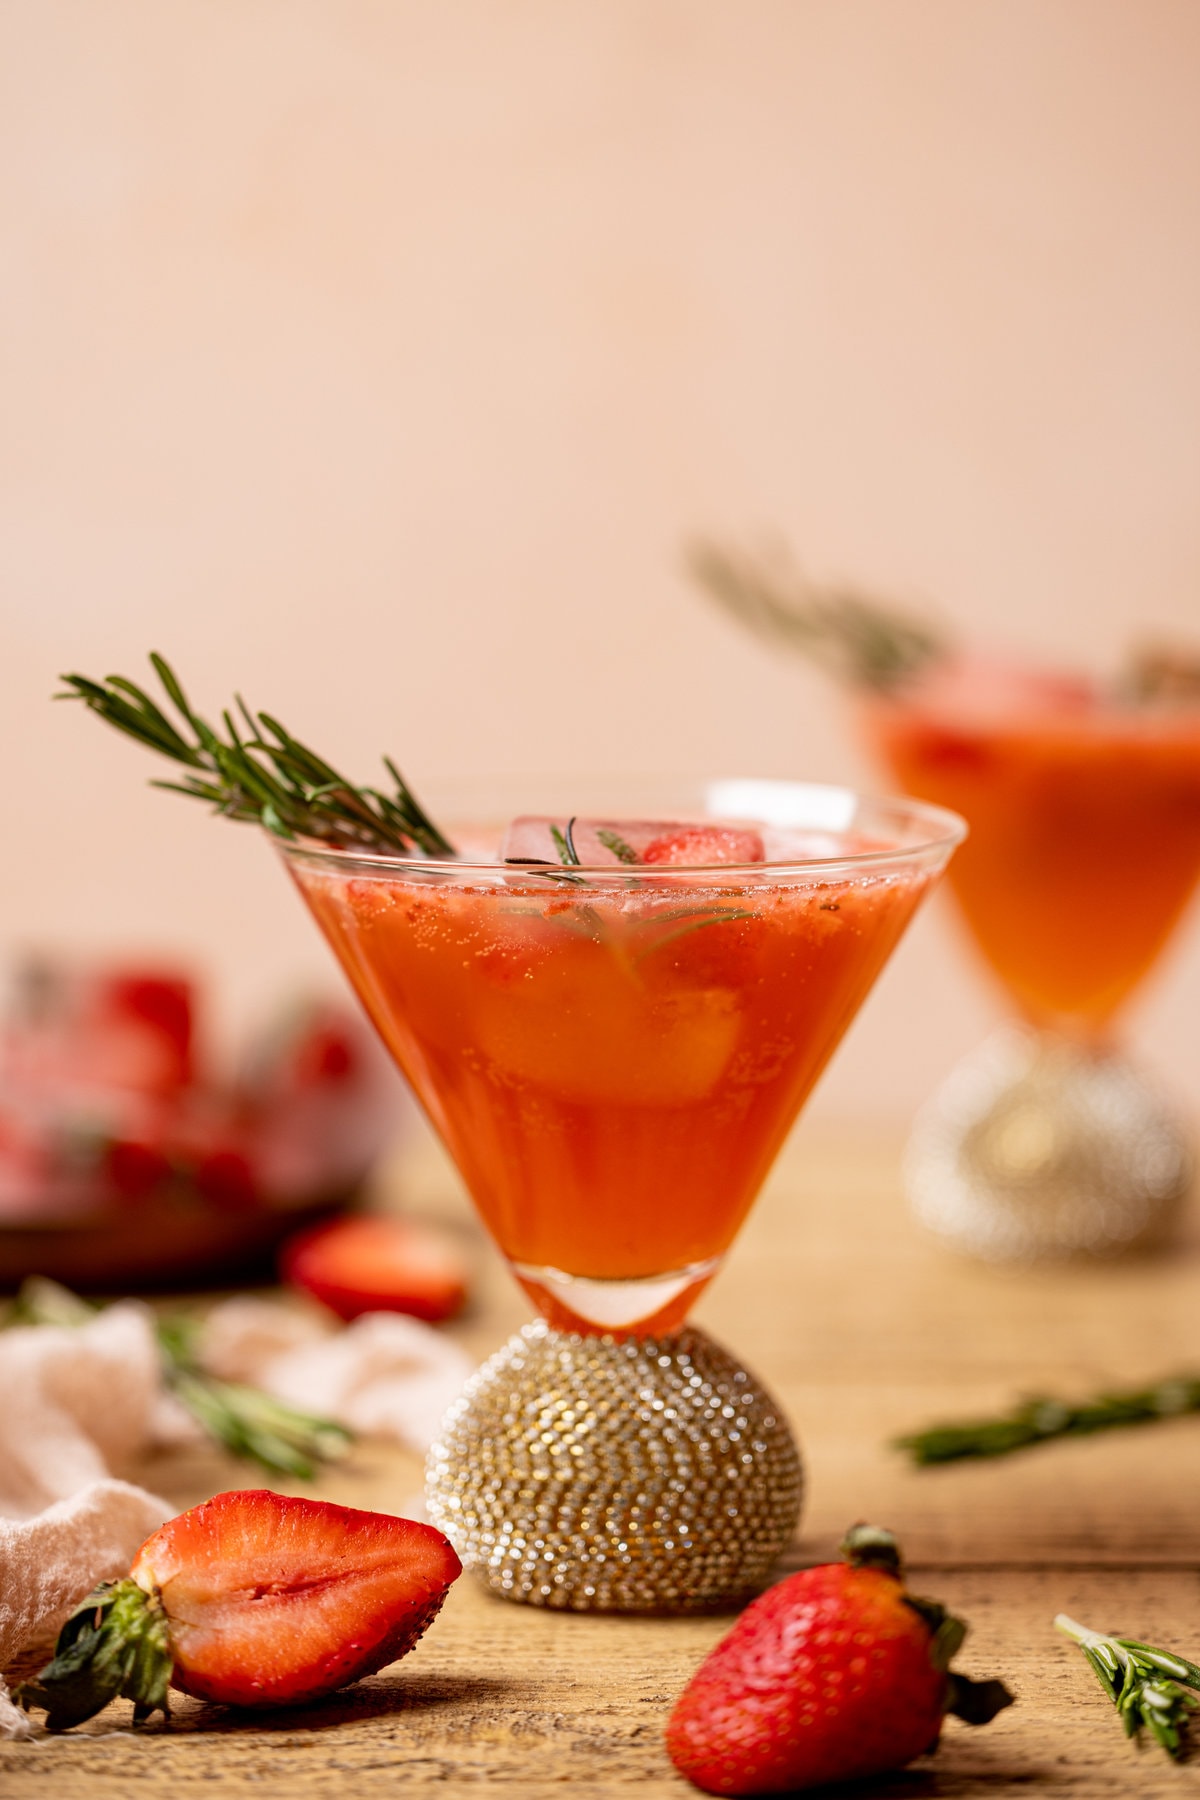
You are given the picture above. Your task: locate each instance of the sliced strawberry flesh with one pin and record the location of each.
(273, 1600)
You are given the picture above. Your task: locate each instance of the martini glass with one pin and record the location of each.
(613, 1056)
(1083, 855)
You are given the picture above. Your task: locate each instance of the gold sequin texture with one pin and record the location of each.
(633, 1475)
(1037, 1148)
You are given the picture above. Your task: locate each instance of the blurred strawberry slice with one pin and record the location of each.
(26, 1166)
(72, 1029)
(320, 1096)
(601, 843)
(315, 1045)
(134, 1168)
(373, 1264)
(225, 1176)
(155, 1010)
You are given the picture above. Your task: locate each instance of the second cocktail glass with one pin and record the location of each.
(613, 1056)
(1084, 853)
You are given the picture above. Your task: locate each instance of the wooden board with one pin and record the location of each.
(864, 1329)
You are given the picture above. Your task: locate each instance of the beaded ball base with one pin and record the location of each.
(1035, 1148)
(619, 1475)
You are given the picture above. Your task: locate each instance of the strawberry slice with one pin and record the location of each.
(252, 1599)
(599, 843)
(374, 1264)
(156, 1009)
(596, 843)
(134, 1167)
(700, 846)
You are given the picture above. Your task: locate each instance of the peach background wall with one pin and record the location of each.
(376, 356)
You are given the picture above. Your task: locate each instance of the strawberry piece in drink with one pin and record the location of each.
(703, 846)
(251, 1599)
(604, 843)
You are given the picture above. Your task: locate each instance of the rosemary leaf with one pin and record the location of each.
(1150, 1688)
(613, 841)
(564, 843)
(1042, 1418)
(855, 637)
(247, 1422)
(269, 777)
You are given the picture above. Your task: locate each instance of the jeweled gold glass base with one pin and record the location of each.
(630, 1475)
(1037, 1148)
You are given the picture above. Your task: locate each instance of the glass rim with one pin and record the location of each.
(938, 830)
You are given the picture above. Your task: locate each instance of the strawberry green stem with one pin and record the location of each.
(115, 1645)
(975, 1702)
(871, 1547)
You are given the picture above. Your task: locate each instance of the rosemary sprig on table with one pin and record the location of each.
(1148, 1687)
(1042, 1418)
(853, 636)
(259, 772)
(242, 1419)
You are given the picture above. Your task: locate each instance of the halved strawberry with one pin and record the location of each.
(374, 1264)
(700, 846)
(251, 1599)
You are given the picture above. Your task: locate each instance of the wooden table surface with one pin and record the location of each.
(863, 1328)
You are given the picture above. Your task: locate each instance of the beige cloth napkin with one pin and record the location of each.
(77, 1403)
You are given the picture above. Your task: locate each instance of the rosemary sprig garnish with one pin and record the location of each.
(612, 840)
(853, 636)
(1042, 1418)
(259, 772)
(564, 843)
(693, 920)
(243, 1419)
(1148, 1687)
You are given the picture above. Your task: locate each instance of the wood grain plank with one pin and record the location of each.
(522, 1701)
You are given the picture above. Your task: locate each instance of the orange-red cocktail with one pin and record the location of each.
(613, 1058)
(1085, 838)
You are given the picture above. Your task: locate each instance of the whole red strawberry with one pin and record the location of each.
(834, 1674)
(252, 1599)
